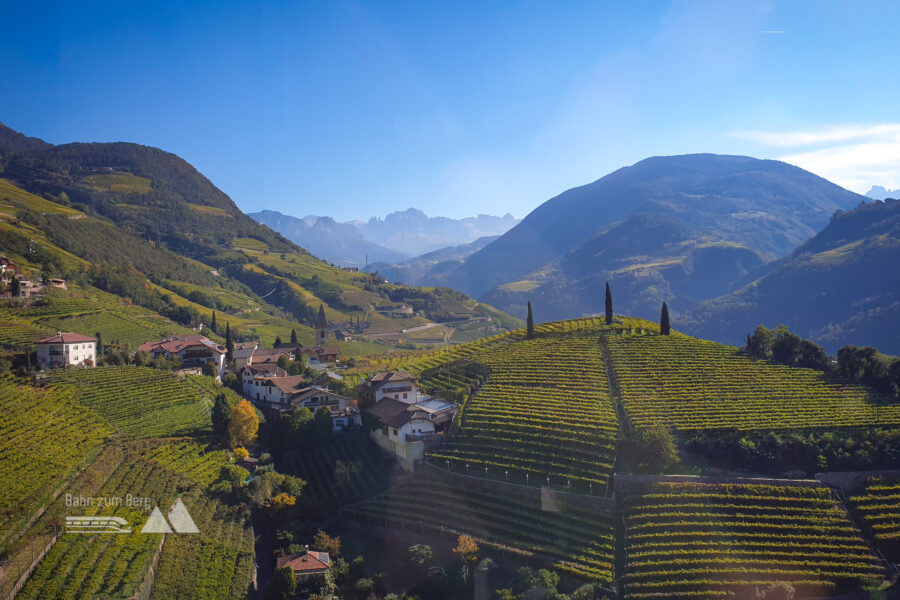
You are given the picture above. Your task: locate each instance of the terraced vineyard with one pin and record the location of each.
(575, 541)
(217, 563)
(879, 507)
(347, 467)
(693, 384)
(197, 461)
(140, 401)
(688, 540)
(543, 417)
(44, 434)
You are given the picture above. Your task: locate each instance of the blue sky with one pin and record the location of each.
(357, 109)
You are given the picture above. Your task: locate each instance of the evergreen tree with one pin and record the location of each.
(609, 307)
(213, 325)
(277, 340)
(229, 343)
(99, 337)
(16, 288)
(664, 320)
(530, 324)
(221, 413)
(294, 336)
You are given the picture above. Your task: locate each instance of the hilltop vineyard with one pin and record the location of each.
(544, 417)
(688, 540)
(575, 541)
(693, 385)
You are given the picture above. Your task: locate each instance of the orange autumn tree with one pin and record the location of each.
(467, 550)
(243, 424)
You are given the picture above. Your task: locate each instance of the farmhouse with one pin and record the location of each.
(277, 390)
(253, 375)
(321, 355)
(343, 410)
(190, 350)
(65, 349)
(397, 385)
(305, 564)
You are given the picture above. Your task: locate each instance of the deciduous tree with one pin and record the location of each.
(243, 424)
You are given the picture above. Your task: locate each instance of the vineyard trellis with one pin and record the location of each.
(718, 540)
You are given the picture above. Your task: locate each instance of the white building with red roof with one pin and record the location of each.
(66, 349)
(190, 350)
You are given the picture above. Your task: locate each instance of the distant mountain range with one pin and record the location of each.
(879, 192)
(397, 237)
(339, 243)
(431, 264)
(680, 228)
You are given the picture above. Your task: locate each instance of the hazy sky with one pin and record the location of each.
(358, 109)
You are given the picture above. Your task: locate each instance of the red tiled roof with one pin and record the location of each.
(177, 344)
(305, 562)
(66, 338)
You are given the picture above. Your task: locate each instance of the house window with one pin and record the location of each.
(404, 396)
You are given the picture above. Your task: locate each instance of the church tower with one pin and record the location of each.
(321, 327)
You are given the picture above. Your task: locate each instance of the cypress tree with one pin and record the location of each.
(664, 320)
(15, 288)
(99, 337)
(609, 308)
(293, 336)
(530, 323)
(213, 325)
(229, 343)
(277, 340)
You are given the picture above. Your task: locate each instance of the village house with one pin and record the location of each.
(190, 350)
(271, 388)
(58, 283)
(398, 385)
(252, 375)
(305, 565)
(343, 410)
(243, 354)
(66, 349)
(342, 335)
(405, 426)
(271, 355)
(319, 356)
(275, 391)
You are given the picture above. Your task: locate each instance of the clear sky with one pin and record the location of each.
(355, 109)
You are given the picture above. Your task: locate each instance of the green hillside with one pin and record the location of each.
(142, 224)
(840, 287)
